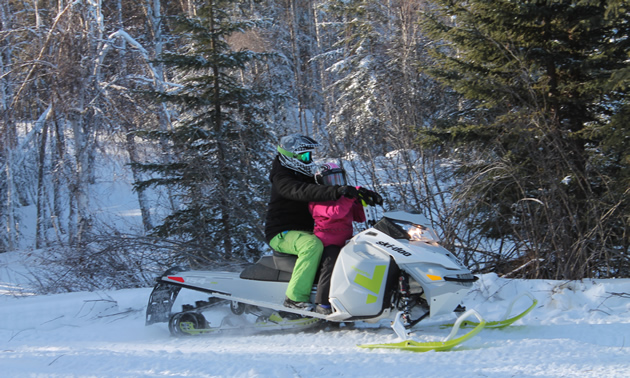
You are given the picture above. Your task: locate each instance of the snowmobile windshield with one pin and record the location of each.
(399, 229)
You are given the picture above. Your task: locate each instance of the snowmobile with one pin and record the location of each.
(394, 270)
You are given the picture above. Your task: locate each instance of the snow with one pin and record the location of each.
(578, 329)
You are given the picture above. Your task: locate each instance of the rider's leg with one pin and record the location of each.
(329, 257)
(308, 249)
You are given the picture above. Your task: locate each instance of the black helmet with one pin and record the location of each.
(330, 174)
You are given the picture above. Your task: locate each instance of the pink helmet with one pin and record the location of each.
(330, 174)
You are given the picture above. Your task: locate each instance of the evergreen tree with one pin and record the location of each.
(219, 140)
(358, 73)
(537, 76)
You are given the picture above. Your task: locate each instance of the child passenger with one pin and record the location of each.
(333, 226)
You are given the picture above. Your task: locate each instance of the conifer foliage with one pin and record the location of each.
(538, 79)
(217, 165)
(359, 72)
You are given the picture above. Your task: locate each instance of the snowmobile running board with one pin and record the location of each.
(425, 346)
(505, 321)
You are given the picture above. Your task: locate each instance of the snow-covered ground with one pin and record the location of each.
(578, 329)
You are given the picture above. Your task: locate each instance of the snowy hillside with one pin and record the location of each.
(578, 329)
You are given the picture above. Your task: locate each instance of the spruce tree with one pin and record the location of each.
(359, 71)
(536, 76)
(219, 140)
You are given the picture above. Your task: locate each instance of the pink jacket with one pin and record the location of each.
(333, 219)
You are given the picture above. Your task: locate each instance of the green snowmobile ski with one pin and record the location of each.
(449, 342)
(505, 321)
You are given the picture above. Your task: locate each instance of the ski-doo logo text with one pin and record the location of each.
(394, 248)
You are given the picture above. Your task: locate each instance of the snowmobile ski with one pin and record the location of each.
(448, 343)
(505, 321)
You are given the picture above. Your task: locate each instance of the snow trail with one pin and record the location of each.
(578, 329)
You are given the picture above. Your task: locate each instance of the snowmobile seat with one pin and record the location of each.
(278, 267)
(284, 261)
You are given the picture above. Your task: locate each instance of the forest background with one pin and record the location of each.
(505, 122)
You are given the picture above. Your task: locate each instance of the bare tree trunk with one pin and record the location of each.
(10, 219)
(59, 167)
(154, 17)
(143, 201)
(40, 238)
(82, 176)
(8, 130)
(83, 114)
(297, 63)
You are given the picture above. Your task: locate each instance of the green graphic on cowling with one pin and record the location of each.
(372, 284)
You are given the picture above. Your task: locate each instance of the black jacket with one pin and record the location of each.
(291, 192)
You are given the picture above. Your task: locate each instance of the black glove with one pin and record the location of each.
(347, 191)
(369, 197)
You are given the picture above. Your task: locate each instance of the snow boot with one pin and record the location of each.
(306, 306)
(323, 309)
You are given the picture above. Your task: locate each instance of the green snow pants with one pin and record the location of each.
(308, 249)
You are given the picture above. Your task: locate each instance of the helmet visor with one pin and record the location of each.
(305, 157)
(335, 176)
